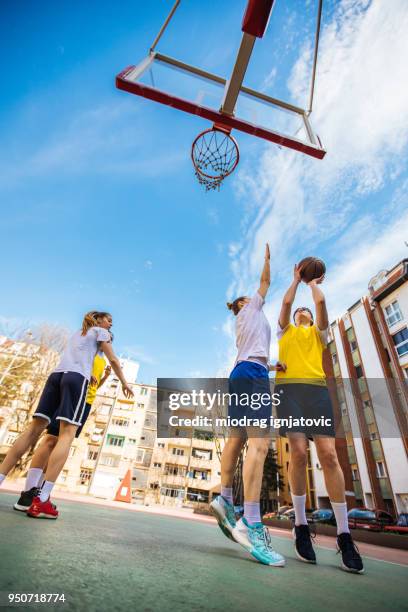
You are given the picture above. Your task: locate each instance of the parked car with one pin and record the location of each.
(323, 515)
(364, 518)
(401, 526)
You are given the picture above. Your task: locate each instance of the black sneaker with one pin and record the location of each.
(26, 499)
(351, 560)
(303, 543)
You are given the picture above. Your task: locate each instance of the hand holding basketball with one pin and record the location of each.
(311, 268)
(316, 281)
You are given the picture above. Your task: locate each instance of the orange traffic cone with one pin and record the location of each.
(124, 493)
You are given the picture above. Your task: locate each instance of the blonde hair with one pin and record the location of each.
(91, 320)
(234, 306)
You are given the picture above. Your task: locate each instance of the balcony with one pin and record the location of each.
(101, 418)
(198, 483)
(169, 480)
(174, 459)
(88, 464)
(196, 462)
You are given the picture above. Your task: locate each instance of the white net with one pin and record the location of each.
(215, 155)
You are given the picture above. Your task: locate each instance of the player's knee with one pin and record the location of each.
(328, 459)
(298, 457)
(50, 442)
(259, 445)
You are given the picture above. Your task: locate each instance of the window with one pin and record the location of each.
(353, 345)
(174, 470)
(393, 313)
(92, 454)
(355, 474)
(11, 438)
(72, 451)
(143, 391)
(200, 434)
(202, 454)
(157, 465)
(63, 476)
(141, 406)
(85, 476)
(140, 455)
(359, 372)
(154, 485)
(401, 341)
(335, 358)
(178, 451)
(160, 445)
(109, 460)
(132, 441)
(120, 422)
(115, 440)
(172, 492)
(380, 469)
(373, 435)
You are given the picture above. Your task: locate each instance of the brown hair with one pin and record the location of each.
(90, 320)
(234, 306)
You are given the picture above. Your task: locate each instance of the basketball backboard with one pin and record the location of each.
(226, 102)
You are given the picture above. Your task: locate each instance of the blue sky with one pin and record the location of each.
(100, 207)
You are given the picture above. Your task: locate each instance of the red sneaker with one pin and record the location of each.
(39, 509)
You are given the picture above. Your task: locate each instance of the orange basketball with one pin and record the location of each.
(311, 268)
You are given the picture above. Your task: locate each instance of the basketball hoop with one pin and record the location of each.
(215, 155)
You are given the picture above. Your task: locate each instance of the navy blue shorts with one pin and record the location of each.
(63, 398)
(307, 401)
(250, 391)
(53, 427)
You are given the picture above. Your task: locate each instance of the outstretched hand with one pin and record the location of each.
(267, 251)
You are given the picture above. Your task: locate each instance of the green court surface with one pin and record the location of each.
(108, 559)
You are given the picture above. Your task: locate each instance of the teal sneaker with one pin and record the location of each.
(225, 514)
(257, 541)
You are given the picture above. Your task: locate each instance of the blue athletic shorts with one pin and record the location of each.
(63, 398)
(53, 427)
(250, 391)
(312, 402)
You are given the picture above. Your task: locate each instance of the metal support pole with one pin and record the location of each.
(316, 49)
(164, 26)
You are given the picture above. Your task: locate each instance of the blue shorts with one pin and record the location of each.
(251, 393)
(63, 398)
(53, 427)
(312, 402)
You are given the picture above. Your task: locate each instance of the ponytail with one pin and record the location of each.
(91, 319)
(234, 306)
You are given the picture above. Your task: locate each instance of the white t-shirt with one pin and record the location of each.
(80, 351)
(253, 332)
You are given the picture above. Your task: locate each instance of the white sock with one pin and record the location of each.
(41, 481)
(252, 512)
(2, 477)
(226, 493)
(299, 506)
(46, 490)
(340, 512)
(33, 478)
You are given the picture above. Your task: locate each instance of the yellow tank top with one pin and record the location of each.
(301, 349)
(98, 369)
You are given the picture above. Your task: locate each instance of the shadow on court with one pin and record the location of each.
(107, 559)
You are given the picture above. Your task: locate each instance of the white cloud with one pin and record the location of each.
(138, 353)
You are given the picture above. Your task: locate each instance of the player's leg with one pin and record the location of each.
(35, 472)
(334, 481)
(297, 481)
(70, 415)
(250, 531)
(223, 505)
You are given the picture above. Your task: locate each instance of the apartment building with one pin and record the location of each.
(185, 468)
(369, 362)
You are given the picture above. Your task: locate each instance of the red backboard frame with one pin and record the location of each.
(128, 80)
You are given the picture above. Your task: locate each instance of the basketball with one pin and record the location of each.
(311, 268)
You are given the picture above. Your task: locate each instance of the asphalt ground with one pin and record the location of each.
(109, 559)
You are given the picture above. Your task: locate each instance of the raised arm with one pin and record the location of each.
(266, 274)
(322, 318)
(288, 299)
(114, 361)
